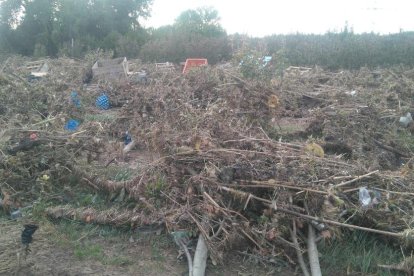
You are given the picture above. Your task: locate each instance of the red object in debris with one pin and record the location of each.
(194, 62)
(33, 136)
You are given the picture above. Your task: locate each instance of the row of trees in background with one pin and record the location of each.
(71, 27)
(345, 49)
(74, 27)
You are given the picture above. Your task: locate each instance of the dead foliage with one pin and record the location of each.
(230, 158)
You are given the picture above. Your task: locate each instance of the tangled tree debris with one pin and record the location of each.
(250, 166)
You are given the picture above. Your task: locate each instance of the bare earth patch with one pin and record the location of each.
(118, 255)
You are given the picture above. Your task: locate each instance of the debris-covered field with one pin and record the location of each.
(264, 170)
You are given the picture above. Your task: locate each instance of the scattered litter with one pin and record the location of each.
(364, 197)
(165, 66)
(352, 93)
(75, 99)
(142, 77)
(376, 197)
(114, 69)
(102, 102)
(266, 60)
(319, 225)
(16, 214)
(45, 177)
(33, 136)
(406, 120)
(72, 125)
(38, 69)
(193, 63)
(127, 138)
(130, 146)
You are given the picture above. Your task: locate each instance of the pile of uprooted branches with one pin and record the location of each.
(37, 153)
(248, 165)
(226, 172)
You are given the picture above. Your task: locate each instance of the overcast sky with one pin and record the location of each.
(266, 17)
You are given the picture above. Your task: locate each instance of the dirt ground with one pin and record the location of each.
(103, 255)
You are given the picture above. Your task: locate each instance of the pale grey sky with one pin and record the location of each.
(265, 17)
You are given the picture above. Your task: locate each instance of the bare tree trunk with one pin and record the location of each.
(200, 257)
(298, 251)
(313, 253)
(188, 255)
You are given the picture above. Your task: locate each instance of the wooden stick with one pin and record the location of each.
(200, 257)
(188, 255)
(313, 253)
(224, 210)
(200, 227)
(276, 208)
(382, 190)
(351, 190)
(355, 179)
(211, 199)
(391, 234)
(391, 149)
(245, 83)
(298, 252)
(250, 238)
(4, 65)
(393, 192)
(274, 184)
(249, 195)
(128, 147)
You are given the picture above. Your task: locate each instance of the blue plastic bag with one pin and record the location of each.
(102, 102)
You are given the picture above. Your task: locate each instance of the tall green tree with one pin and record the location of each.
(195, 33)
(45, 27)
(202, 21)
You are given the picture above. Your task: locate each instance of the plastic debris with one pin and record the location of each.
(406, 120)
(266, 60)
(16, 214)
(45, 177)
(181, 236)
(102, 102)
(364, 197)
(193, 63)
(377, 197)
(33, 136)
(72, 125)
(127, 138)
(352, 93)
(319, 225)
(75, 99)
(142, 77)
